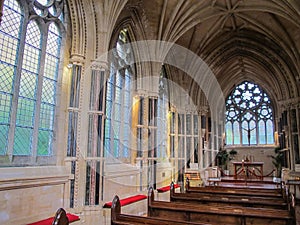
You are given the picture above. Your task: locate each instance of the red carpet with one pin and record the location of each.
(49, 220)
(167, 188)
(127, 201)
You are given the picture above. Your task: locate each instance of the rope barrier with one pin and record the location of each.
(223, 174)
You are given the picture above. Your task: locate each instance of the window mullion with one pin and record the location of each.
(257, 132)
(39, 96)
(112, 118)
(266, 133)
(232, 136)
(16, 91)
(122, 121)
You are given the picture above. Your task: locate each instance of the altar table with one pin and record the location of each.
(247, 168)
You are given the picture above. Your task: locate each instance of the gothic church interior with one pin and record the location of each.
(110, 97)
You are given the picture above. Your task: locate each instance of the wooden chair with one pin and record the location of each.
(60, 217)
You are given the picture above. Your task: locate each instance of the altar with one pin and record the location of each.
(248, 169)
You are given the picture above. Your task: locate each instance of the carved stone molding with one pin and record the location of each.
(18, 178)
(290, 103)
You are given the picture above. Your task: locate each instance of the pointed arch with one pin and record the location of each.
(30, 57)
(119, 99)
(249, 116)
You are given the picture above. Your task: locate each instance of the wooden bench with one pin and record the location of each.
(235, 191)
(228, 215)
(123, 219)
(232, 200)
(60, 218)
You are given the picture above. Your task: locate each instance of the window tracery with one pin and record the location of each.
(249, 116)
(30, 56)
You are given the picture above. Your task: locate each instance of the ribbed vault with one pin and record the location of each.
(257, 40)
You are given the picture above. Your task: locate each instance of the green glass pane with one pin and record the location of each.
(28, 85)
(116, 148)
(106, 147)
(25, 112)
(3, 139)
(48, 92)
(44, 142)
(22, 144)
(6, 78)
(54, 40)
(46, 116)
(51, 65)
(5, 104)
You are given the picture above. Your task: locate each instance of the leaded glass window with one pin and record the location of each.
(249, 116)
(162, 125)
(188, 138)
(119, 100)
(29, 60)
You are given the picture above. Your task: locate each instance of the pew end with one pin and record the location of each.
(172, 191)
(60, 217)
(150, 195)
(150, 200)
(115, 209)
(187, 184)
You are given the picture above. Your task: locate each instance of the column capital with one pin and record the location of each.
(99, 65)
(77, 59)
(203, 110)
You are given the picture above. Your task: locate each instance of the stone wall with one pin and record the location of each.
(256, 154)
(32, 193)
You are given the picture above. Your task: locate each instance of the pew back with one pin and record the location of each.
(235, 191)
(228, 200)
(217, 214)
(122, 219)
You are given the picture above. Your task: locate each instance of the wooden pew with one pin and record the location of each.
(221, 215)
(123, 219)
(234, 191)
(232, 200)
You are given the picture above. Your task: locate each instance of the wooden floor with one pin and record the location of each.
(298, 214)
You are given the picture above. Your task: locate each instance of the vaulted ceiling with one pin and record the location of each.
(255, 40)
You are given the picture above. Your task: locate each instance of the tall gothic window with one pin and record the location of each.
(30, 40)
(162, 107)
(119, 100)
(249, 116)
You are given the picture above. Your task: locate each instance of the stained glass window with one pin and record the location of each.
(29, 60)
(249, 116)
